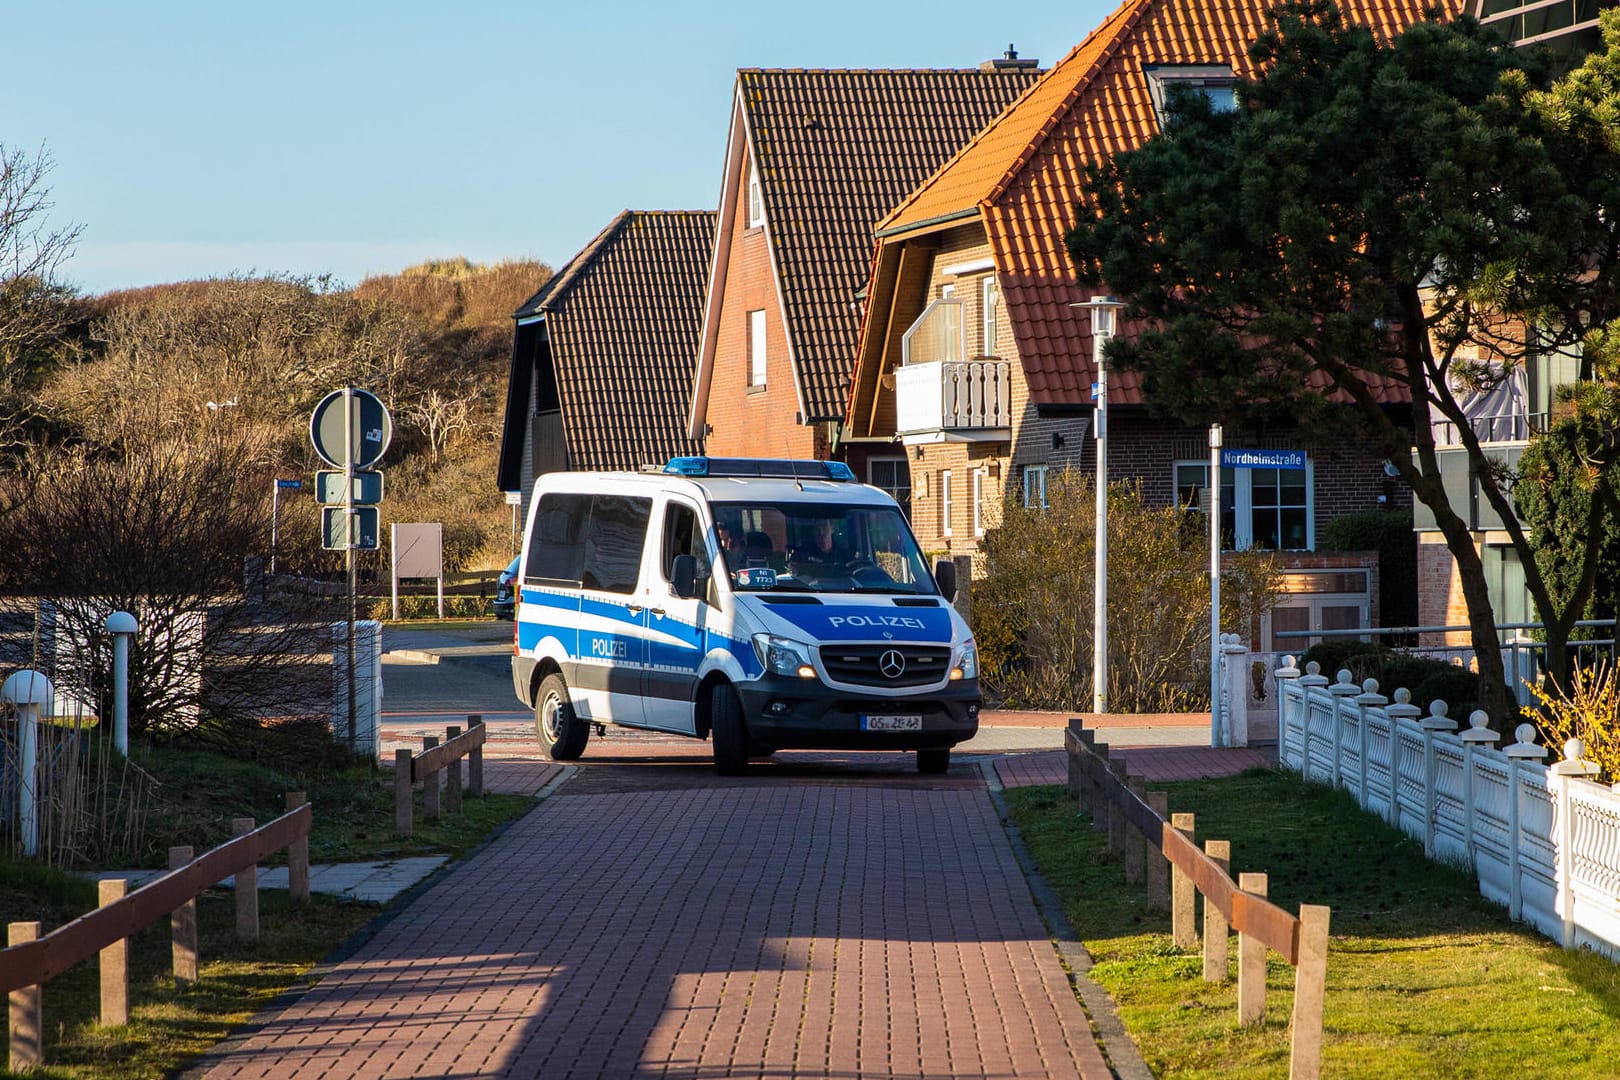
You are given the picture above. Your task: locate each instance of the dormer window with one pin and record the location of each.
(756, 197)
(1215, 82)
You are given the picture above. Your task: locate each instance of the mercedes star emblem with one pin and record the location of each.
(892, 664)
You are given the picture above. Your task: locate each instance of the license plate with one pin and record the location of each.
(891, 723)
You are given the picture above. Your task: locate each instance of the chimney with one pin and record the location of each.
(1010, 62)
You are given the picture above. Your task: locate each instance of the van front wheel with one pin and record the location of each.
(729, 731)
(562, 734)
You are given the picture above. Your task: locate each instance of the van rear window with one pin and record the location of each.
(557, 544)
(613, 542)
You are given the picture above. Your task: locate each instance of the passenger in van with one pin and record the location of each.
(731, 547)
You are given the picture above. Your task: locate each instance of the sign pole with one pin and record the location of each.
(348, 548)
(275, 511)
(1216, 736)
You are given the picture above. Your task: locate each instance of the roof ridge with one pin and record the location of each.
(557, 288)
(879, 71)
(1044, 132)
(1128, 10)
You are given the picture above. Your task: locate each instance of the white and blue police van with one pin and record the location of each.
(762, 604)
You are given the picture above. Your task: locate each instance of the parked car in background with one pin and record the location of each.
(505, 605)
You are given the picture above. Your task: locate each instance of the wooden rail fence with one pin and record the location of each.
(31, 960)
(1138, 824)
(437, 757)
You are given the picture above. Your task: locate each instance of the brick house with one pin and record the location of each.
(601, 372)
(813, 160)
(974, 361)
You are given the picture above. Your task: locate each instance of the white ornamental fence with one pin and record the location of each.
(1543, 840)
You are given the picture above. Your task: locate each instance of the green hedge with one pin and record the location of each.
(1427, 679)
(1390, 534)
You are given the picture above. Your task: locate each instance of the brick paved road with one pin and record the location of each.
(653, 922)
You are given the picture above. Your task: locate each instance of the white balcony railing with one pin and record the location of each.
(961, 395)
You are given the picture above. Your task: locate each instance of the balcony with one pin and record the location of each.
(954, 401)
(940, 394)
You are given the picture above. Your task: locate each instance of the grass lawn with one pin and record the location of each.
(197, 793)
(1424, 979)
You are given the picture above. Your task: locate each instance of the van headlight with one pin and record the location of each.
(967, 662)
(784, 656)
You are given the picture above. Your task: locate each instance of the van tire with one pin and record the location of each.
(562, 734)
(728, 731)
(934, 761)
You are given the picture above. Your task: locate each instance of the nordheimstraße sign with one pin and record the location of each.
(1262, 459)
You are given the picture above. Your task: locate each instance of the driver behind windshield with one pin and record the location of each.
(824, 553)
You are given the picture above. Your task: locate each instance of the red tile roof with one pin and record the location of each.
(1022, 174)
(837, 150)
(622, 319)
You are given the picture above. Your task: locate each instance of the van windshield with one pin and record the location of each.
(819, 547)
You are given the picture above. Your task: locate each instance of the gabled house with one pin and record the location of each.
(974, 360)
(602, 359)
(813, 160)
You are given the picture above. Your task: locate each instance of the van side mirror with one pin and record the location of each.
(945, 575)
(683, 577)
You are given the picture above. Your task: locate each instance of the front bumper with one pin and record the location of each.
(807, 714)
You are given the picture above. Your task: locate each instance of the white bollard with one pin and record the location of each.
(122, 626)
(28, 691)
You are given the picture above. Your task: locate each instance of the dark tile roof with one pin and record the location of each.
(837, 150)
(622, 319)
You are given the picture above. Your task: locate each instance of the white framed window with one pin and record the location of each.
(1216, 83)
(756, 347)
(980, 477)
(947, 290)
(992, 309)
(756, 197)
(1035, 486)
(893, 475)
(945, 503)
(1269, 509)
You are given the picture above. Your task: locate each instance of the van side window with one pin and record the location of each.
(613, 542)
(680, 537)
(557, 547)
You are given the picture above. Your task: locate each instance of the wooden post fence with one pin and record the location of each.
(425, 767)
(1242, 906)
(31, 959)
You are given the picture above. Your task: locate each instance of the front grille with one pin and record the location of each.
(861, 664)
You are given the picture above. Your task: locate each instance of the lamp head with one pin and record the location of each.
(1103, 310)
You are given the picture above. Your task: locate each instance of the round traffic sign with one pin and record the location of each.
(366, 421)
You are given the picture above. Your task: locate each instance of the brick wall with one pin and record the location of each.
(1440, 598)
(747, 421)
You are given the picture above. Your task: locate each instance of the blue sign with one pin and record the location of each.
(293, 485)
(1262, 459)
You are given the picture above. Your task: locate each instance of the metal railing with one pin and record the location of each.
(1524, 657)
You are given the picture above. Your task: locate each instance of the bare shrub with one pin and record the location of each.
(1033, 609)
(162, 533)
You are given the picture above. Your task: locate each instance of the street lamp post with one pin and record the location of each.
(1103, 310)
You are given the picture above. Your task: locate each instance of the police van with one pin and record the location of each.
(760, 604)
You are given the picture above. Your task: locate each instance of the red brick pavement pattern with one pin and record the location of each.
(1156, 763)
(1025, 770)
(766, 930)
(1166, 763)
(515, 776)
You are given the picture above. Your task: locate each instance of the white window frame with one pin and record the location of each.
(980, 475)
(756, 347)
(756, 197)
(990, 296)
(887, 459)
(1243, 501)
(1214, 80)
(945, 503)
(1035, 483)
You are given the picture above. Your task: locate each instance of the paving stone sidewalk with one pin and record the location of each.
(690, 929)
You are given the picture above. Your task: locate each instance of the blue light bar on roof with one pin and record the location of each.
(782, 468)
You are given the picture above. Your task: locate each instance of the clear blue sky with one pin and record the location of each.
(198, 139)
